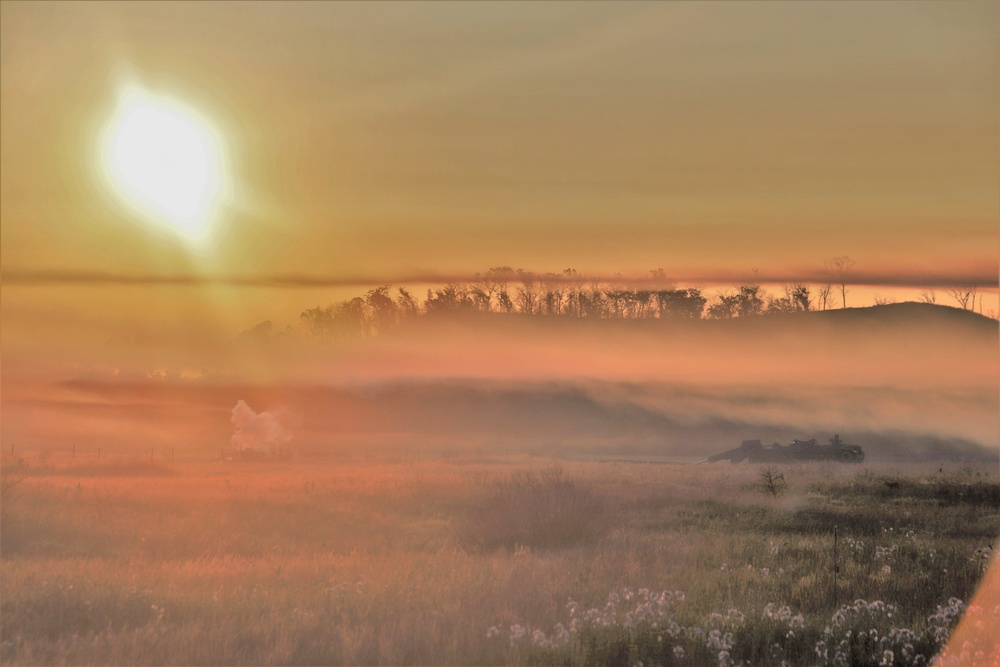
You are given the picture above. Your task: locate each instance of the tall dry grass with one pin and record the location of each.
(413, 563)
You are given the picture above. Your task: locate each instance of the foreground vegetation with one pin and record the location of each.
(509, 561)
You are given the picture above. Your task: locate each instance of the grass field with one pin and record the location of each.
(503, 561)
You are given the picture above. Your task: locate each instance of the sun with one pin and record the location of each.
(165, 162)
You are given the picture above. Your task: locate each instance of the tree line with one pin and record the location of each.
(506, 290)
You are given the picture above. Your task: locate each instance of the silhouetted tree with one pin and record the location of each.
(319, 321)
(750, 301)
(406, 304)
(680, 303)
(480, 297)
(259, 332)
(572, 305)
(965, 296)
(796, 299)
(724, 307)
(592, 302)
(777, 305)
(346, 319)
(800, 297)
(483, 291)
(553, 292)
(746, 302)
(659, 276)
(350, 318)
(501, 277)
(504, 302)
(823, 296)
(382, 309)
(841, 267)
(527, 295)
(646, 303)
(616, 299)
(452, 298)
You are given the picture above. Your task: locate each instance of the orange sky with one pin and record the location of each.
(392, 138)
(379, 141)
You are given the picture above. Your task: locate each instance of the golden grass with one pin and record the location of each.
(296, 562)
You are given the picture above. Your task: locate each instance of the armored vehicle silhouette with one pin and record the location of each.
(800, 450)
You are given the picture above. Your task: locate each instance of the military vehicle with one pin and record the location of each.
(800, 450)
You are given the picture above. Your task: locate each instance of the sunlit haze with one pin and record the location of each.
(164, 161)
(167, 193)
(294, 293)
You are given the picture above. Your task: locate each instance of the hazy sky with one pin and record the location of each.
(384, 139)
(389, 140)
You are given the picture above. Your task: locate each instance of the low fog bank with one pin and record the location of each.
(503, 416)
(904, 381)
(901, 345)
(596, 417)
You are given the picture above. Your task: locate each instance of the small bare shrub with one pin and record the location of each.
(543, 510)
(772, 482)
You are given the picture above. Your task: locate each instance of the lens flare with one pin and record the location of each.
(165, 162)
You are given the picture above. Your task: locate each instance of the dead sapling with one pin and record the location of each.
(772, 481)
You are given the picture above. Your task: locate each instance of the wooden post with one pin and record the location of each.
(72, 454)
(98, 453)
(171, 454)
(151, 454)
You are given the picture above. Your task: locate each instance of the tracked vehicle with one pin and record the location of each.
(798, 451)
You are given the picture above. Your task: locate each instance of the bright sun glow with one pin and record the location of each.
(165, 161)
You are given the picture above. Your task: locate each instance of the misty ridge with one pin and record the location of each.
(519, 361)
(905, 381)
(515, 362)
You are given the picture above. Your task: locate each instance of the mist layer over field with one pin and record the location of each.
(902, 380)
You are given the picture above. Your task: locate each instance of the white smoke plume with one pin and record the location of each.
(258, 431)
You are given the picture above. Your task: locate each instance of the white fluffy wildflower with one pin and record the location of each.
(517, 633)
(982, 557)
(885, 552)
(719, 641)
(821, 650)
(944, 618)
